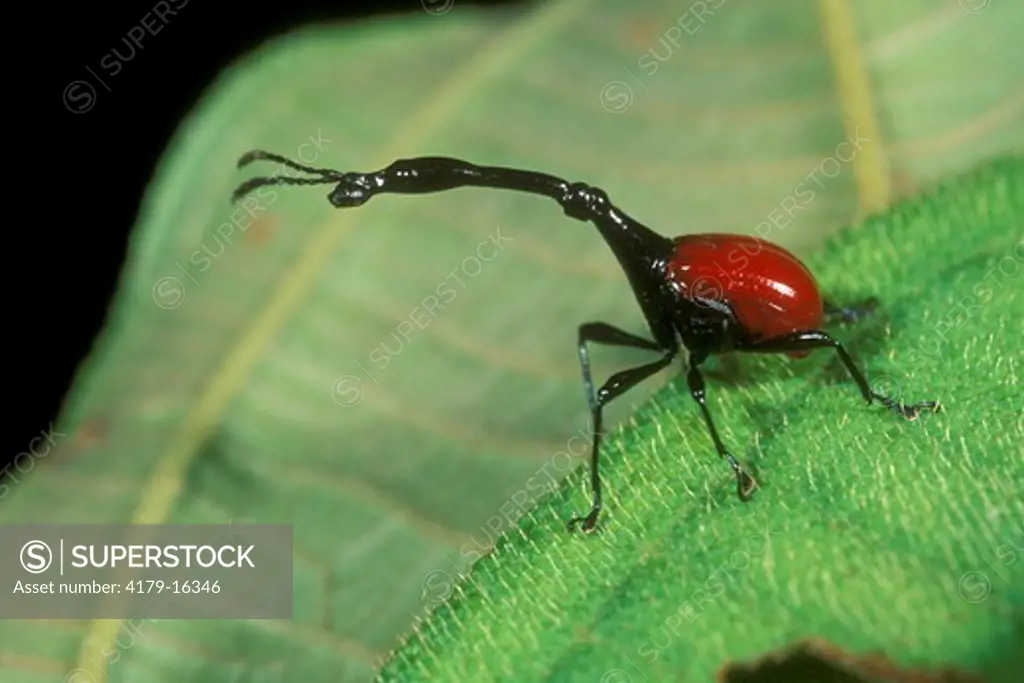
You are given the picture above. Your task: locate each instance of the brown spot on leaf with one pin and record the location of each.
(262, 230)
(641, 33)
(582, 634)
(818, 661)
(93, 432)
(903, 184)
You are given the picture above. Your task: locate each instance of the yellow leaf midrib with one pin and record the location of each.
(164, 486)
(857, 102)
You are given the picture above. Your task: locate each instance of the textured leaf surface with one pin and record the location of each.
(879, 535)
(215, 395)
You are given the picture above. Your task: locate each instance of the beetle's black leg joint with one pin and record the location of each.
(584, 202)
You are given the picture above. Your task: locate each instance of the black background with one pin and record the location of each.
(89, 170)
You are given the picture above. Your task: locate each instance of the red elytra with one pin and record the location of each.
(768, 288)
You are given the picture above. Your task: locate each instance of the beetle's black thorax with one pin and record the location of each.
(705, 326)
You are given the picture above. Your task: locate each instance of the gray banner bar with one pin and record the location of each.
(167, 571)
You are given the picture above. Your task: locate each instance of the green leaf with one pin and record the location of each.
(870, 532)
(225, 403)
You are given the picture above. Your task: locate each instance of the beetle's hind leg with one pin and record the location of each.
(842, 315)
(819, 339)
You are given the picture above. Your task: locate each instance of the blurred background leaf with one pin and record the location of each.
(235, 379)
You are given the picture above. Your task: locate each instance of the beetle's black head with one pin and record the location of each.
(354, 189)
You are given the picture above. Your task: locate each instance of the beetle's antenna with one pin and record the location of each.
(251, 184)
(260, 155)
(326, 176)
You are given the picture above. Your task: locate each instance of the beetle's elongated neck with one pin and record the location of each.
(637, 247)
(644, 256)
(633, 243)
(641, 252)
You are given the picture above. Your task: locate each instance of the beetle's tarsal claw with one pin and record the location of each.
(585, 524)
(914, 411)
(910, 412)
(745, 485)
